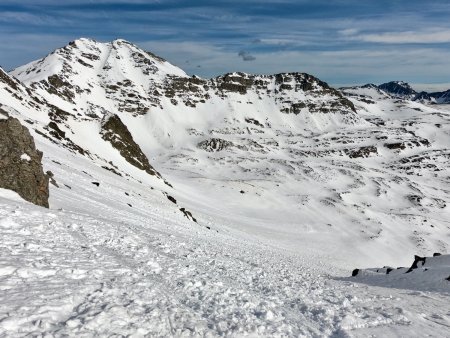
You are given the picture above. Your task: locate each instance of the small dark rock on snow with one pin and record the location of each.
(171, 199)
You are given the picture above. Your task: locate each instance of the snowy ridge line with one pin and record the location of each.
(402, 90)
(93, 77)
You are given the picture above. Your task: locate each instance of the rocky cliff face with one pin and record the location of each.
(441, 97)
(402, 90)
(115, 132)
(399, 89)
(20, 162)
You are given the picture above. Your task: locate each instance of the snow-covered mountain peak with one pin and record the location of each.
(367, 92)
(84, 54)
(88, 78)
(402, 83)
(400, 89)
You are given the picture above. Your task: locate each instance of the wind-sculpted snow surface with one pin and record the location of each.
(100, 267)
(279, 187)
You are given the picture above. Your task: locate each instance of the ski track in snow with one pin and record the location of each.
(114, 272)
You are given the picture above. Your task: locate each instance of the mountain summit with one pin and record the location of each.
(399, 88)
(92, 77)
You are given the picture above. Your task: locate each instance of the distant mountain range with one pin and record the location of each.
(402, 90)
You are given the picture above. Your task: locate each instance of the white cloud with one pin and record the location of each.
(33, 19)
(348, 31)
(424, 37)
(342, 66)
(431, 87)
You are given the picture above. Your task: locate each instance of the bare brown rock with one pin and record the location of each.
(115, 132)
(20, 163)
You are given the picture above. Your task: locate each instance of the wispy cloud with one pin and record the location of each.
(341, 41)
(31, 19)
(415, 37)
(431, 87)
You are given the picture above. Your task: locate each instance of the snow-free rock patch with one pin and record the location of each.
(20, 163)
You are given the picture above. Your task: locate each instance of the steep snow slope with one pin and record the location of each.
(116, 259)
(83, 136)
(15, 95)
(288, 151)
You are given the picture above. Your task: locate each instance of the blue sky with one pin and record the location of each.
(340, 41)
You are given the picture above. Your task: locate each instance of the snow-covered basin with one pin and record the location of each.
(120, 259)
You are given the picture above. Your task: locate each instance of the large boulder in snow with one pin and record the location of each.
(20, 162)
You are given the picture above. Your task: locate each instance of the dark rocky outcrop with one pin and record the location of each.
(423, 97)
(20, 163)
(171, 199)
(396, 145)
(441, 97)
(235, 82)
(51, 178)
(398, 89)
(403, 90)
(188, 214)
(57, 86)
(254, 121)
(8, 80)
(415, 264)
(115, 132)
(362, 152)
(215, 144)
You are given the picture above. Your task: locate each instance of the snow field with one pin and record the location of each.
(111, 269)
